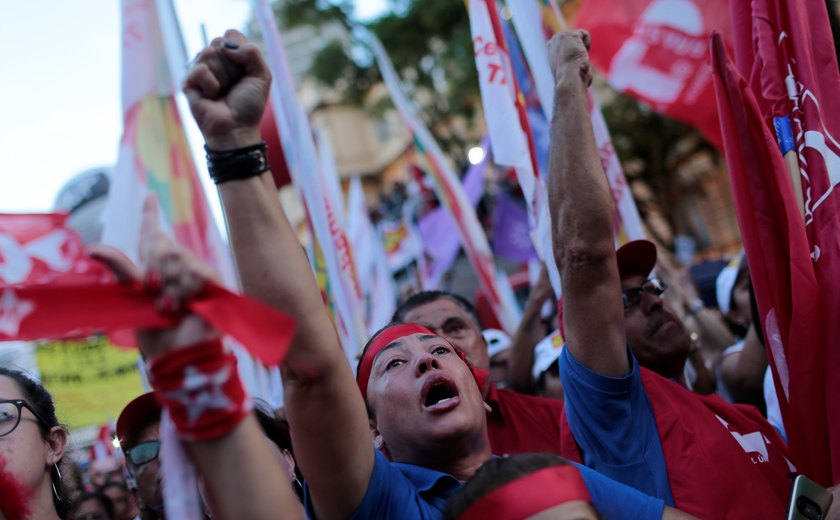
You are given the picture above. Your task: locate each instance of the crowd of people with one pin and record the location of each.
(628, 402)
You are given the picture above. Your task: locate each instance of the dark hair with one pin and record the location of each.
(494, 474)
(422, 298)
(95, 495)
(39, 399)
(277, 430)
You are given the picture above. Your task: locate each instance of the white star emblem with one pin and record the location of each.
(12, 312)
(202, 392)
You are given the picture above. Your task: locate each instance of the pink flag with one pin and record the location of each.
(788, 56)
(307, 173)
(655, 50)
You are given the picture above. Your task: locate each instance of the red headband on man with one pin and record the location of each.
(382, 340)
(529, 495)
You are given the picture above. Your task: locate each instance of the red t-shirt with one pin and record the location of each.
(522, 423)
(724, 460)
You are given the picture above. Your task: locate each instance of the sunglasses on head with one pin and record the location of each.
(143, 453)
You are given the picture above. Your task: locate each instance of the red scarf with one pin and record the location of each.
(736, 471)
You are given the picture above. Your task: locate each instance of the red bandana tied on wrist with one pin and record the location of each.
(200, 387)
(531, 494)
(392, 334)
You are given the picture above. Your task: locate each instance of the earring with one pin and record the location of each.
(55, 490)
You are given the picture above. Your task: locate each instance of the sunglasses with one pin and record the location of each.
(143, 453)
(633, 296)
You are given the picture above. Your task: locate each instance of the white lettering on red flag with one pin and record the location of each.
(655, 50)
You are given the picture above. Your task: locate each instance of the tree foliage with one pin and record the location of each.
(428, 42)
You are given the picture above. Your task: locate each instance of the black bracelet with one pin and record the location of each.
(237, 164)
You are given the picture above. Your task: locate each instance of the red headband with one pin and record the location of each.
(382, 340)
(529, 495)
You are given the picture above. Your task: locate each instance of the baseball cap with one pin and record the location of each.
(139, 413)
(546, 353)
(637, 257)
(497, 341)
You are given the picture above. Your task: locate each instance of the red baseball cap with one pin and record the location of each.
(637, 257)
(139, 413)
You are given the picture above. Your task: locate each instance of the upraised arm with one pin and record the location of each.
(581, 211)
(253, 484)
(227, 89)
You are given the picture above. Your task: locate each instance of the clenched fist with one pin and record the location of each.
(568, 55)
(227, 88)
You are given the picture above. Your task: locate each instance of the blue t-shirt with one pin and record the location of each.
(408, 492)
(614, 426)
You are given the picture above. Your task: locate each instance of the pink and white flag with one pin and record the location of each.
(308, 176)
(379, 289)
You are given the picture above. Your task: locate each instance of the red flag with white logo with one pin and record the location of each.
(49, 288)
(655, 51)
(787, 51)
(783, 276)
(42, 249)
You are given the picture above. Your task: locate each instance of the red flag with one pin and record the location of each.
(655, 50)
(789, 59)
(41, 249)
(786, 286)
(50, 289)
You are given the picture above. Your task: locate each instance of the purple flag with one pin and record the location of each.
(437, 230)
(511, 235)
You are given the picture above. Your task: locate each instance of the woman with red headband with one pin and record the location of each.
(523, 486)
(419, 401)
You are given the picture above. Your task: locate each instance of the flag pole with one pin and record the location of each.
(787, 145)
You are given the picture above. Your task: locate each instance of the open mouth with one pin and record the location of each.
(439, 393)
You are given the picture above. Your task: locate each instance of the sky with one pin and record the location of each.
(60, 110)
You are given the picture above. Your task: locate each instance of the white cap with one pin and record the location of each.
(725, 283)
(546, 352)
(497, 341)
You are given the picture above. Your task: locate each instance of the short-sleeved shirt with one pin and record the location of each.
(613, 423)
(409, 492)
(520, 423)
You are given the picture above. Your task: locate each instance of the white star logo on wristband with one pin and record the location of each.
(202, 392)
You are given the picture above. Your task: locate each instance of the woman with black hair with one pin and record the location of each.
(32, 444)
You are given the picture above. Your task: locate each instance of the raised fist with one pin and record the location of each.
(227, 88)
(568, 54)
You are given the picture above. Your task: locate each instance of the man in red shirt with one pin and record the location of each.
(518, 423)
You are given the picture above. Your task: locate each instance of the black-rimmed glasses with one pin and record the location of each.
(143, 453)
(633, 296)
(10, 412)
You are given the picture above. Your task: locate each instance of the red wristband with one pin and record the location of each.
(200, 387)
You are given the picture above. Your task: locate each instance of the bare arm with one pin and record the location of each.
(743, 372)
(528, 334)
(253, 484)
(581, 210)
(328, 419)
